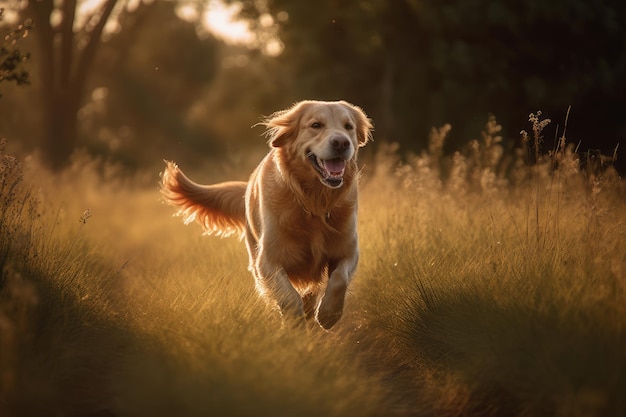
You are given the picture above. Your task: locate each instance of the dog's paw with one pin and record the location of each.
(328, 319)
(331, 307)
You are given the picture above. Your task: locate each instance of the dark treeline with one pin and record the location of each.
(415, 64)
(159, 87)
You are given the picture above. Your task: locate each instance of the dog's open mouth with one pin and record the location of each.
(330, 170)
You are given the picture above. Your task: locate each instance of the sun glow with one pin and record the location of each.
(221, 19)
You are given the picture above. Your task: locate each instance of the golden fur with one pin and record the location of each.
(297, 211)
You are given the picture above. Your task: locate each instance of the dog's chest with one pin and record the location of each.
(314, 241)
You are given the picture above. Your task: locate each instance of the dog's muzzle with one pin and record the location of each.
(331, 170)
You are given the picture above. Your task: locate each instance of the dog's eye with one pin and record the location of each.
(316, 125)
(348, 126)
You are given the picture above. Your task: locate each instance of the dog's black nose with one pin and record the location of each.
(340, 143)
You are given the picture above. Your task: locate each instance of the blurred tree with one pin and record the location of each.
(102, 86)
(414, 64)
(151, 73)
(247, 86)
(65, 58)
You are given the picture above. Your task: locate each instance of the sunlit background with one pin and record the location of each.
(492, 225)
(187, 79)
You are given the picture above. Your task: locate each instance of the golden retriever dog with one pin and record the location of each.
(298, 210)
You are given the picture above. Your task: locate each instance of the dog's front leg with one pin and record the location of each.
(331, 307)
(273, 283)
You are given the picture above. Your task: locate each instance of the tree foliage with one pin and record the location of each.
(411, 64)
(12, 58)
(152, 72)
(417, 64)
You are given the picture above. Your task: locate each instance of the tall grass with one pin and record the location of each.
(505, 300)
(490, 283)
(104, 312)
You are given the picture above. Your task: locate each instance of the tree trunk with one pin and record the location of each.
(386, 98)
(63, 73)
(60, 135)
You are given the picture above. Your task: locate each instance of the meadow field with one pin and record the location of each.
(491, 283)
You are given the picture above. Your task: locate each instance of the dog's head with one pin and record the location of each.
(325, 136)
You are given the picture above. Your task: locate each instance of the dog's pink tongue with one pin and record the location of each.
(335, 166)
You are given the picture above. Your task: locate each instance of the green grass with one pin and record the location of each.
(485, 287)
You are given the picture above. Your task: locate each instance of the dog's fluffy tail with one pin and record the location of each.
(219, 209)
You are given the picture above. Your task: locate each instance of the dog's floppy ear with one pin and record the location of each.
(282, 126)
(364, 124)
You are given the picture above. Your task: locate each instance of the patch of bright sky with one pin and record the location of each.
(86, 9)
(220, 19)
(216, 17)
